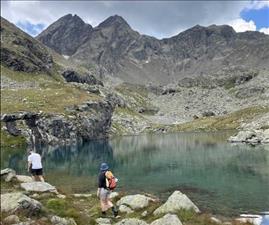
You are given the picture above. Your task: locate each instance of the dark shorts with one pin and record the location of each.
(37, 172)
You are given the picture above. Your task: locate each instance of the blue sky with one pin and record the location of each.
(32, 29)
(156, 18)
(259, 16)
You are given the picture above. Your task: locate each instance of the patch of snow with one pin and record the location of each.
(66, 56)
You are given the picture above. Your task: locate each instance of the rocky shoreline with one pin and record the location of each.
(25, 202)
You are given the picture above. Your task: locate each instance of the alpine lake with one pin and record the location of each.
(219, 177)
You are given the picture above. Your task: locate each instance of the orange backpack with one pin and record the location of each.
(111, 180)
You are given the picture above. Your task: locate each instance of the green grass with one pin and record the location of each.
(228, 122)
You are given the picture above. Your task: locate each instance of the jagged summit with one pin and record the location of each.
(116, 49)
(115, 20)
(66, 34)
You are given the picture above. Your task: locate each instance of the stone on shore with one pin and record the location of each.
(8, 174)
(113, 195)
(24, 179)
(38, 187)
(56, 220)
(12, 202)
(135, 201)
(125, 209)
(131, 221)
(103, 221)
(176, 202)
(168, 219)
(11, 219)
(82, 195)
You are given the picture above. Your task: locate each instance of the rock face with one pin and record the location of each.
(21, 52)
(131, 221)
(13, 202)
(92, 120)
(38, 187)
(73, 76)
(135, 201)
(254, 132)
(118, 50)
(56, 220)
(8, 174)
(66, 34)
(176, 202)
(168, 219)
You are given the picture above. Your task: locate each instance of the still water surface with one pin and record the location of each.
(219, 177)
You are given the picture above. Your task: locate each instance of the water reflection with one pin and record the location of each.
(218, 176)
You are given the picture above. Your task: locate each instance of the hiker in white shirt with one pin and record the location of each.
(35, 166)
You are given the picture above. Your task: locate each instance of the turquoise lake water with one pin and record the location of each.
(219, 177)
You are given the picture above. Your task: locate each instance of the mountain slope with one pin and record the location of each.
(66, 34)
(113, 48)
(21, 52)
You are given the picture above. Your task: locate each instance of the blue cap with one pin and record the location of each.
(104, 167)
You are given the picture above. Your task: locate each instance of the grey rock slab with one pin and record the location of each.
(24, 179)
(135, 201)
(56, 220)
(176, 202)
(38, 187)
(11, 202)
(131, 221)
(168, 219)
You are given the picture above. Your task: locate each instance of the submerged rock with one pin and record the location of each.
(17, 201)
(131, 221)
(8, 174)
(176, 202)
(168, 219)
(135, 201)
(38, 187)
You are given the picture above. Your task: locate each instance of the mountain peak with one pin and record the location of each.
(115, 20)
(66, 34)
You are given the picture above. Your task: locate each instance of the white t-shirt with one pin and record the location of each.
(35, 159)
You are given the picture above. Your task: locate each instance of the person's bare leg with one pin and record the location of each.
(41, 178)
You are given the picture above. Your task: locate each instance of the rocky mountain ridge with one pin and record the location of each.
(113, 48)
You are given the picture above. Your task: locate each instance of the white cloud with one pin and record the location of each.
(241, 25)
(143, 16)
(257, 4)
(265, 30)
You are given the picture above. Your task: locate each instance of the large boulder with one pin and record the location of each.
(17, 201)
(176, 202)
(135, 201)
(38, 187)
(168, 219)
(8, 174)
(131, 221)
(24, 179)
(56, 220)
